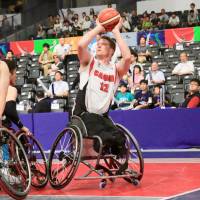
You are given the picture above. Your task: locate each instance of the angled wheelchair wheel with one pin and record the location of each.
(132, 163)
(65, 157)
(135, 159)
(37, 159)
(15, 173)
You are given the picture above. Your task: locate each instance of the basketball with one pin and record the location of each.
(109, 18)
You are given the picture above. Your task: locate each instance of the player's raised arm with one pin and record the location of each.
(124, 64)
(83, 53)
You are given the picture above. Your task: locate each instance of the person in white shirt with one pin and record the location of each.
(155, 76)
(58, 88)
(86, 24)
(62, 49)
(174, 21)
(185, 67)
(125, 26)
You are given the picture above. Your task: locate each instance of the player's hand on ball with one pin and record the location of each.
(118, 26)
(101, 28)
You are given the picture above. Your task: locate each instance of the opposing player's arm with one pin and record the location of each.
(124, 64)
(4, 83)
(83, 53)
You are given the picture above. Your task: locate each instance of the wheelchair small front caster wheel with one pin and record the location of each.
(103, 184)
(135, 182)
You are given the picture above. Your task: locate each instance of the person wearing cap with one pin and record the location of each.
(45, 59)
(124, 97)
(58, 88)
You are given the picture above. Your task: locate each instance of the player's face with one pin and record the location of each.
(103, 48)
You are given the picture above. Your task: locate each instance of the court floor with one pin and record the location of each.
(176, 179)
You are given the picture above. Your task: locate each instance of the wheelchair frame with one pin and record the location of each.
(109, 170)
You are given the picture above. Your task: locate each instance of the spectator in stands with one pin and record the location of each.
(135, 21)
(45, 59)
(77, 27)
(66, 28)
(70, 14)
(134, 61)
(192, 100)
(154, 19)
(135, 78)
(57, 65)
(58, 88)
(158, 98)
(146, 23)
(57, 27)
(174, 21)
(93, 21)
(124, 98)
(155, 76)
(185, 67)
(86, 24)
(164, 19)
(43, 103)
(142, 51)
(5, 26)
(143, 98)
(83, 18)
(50, 24)
(125, 25)
(193, 7)
(62, 49)
(192, 19)
(9, 55)
(92, 13)
(40, 32)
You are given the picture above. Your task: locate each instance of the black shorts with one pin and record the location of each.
(113, 138)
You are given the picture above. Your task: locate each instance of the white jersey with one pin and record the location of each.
(102, 84)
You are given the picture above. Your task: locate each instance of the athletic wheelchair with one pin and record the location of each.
(72, 148)
(36, 157)
(15, 173)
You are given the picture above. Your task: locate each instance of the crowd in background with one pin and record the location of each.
(73, 24)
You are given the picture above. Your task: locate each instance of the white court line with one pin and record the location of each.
(92, 196)
(177, 195)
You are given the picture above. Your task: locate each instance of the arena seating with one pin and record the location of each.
(29, 70)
